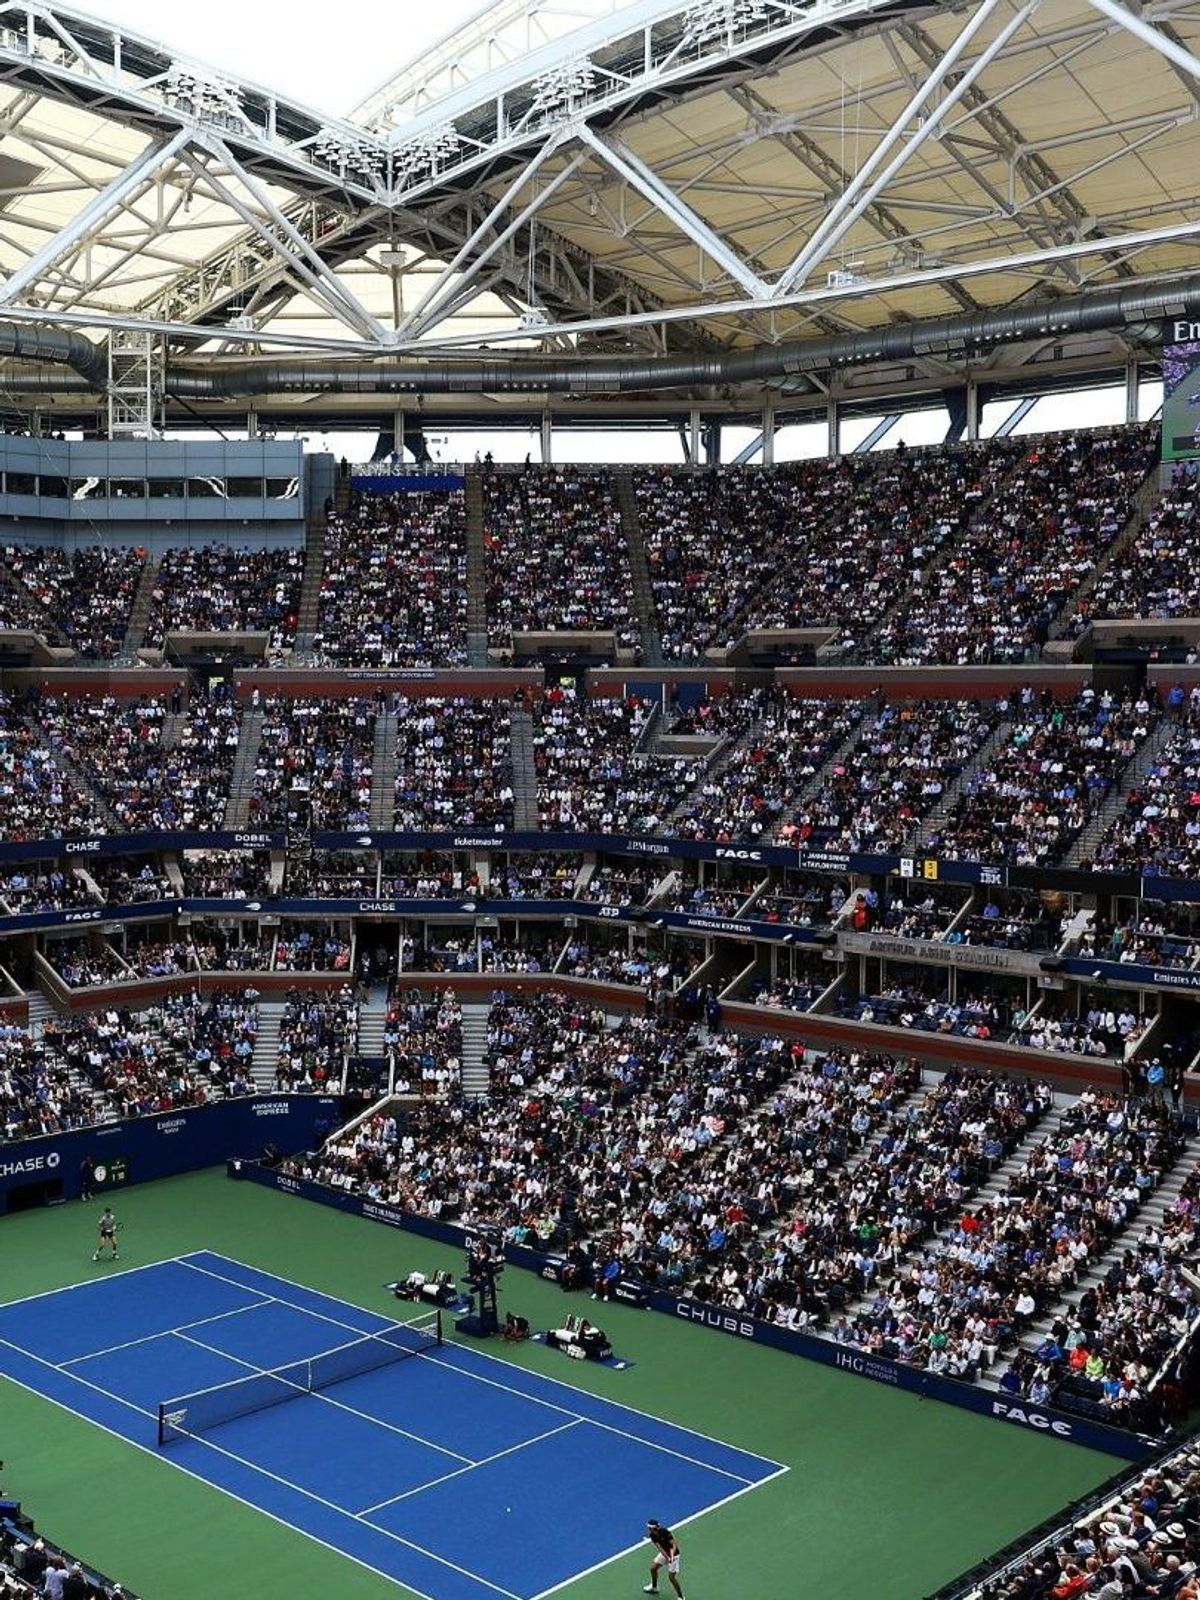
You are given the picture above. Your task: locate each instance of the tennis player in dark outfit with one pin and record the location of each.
(666, 1554)
(108, 1234)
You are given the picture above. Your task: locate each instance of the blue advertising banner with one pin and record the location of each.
(1179, 978)
(932, 869)
(402, 482)
(129, 844)
(141, 911)
(165, 1143)
(985, 1402)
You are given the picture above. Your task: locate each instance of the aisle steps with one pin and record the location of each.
(475, 1076)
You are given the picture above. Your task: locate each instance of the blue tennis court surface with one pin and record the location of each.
(455, 1473)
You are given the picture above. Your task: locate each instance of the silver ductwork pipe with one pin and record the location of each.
(1085, 313)
(26, 342)
(1107, 308)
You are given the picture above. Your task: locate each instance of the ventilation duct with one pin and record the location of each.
(1087, 313)
(1107, 308)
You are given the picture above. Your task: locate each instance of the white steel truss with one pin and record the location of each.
(512, 160)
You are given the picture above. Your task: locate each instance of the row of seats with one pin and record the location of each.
(942, 555)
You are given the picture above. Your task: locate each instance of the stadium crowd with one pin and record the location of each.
(1002, 587)
(83, 596)
(394, 585)
(540, 526)
(217, 588)
(1047, 778)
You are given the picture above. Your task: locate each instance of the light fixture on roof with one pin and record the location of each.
(426, 155)
(349, 156)
(208, 99)
(566, 88)
(847, 277)
(722, 19)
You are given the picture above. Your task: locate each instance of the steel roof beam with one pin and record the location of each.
(667, 203)
(130, 79)
(143, 169)
(869, 182)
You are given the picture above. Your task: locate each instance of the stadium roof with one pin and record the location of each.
(563, 181)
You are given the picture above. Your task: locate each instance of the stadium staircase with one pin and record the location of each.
(370, 1051)
(308, 612)
(838, 756)
(383, 771)
(266, 1045)
(476, 1079)
(934, 820)
(171, 731)
(1114, 801)
(477, 647)
(639, 569)
(715, 761)
(1151, 1214)
(139, 612)
(524, 774)
(81, 775)
(40, 1013)
(241, 779)
(1148, 497)
(997, 1180)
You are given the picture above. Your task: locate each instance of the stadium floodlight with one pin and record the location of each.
(213, 101)
(566, 89)
(426, 155)
(722, 19)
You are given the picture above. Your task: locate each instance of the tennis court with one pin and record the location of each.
(425, 1470)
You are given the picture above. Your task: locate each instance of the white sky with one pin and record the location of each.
(329, 60)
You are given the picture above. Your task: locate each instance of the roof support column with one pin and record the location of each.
(768, 435)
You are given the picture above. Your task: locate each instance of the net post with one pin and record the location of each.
(438, 1325)
(162, 1424)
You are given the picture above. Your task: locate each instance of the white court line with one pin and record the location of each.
(650, 1444)
(278, 1300)
(265, 1472)
(251, 1505)
(326, 1399)
(88, 1283)
(681, 1522)
(485, 1461)
(166, 1333)
(509, 1366)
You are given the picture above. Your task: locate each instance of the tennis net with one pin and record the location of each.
(187, 1415)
